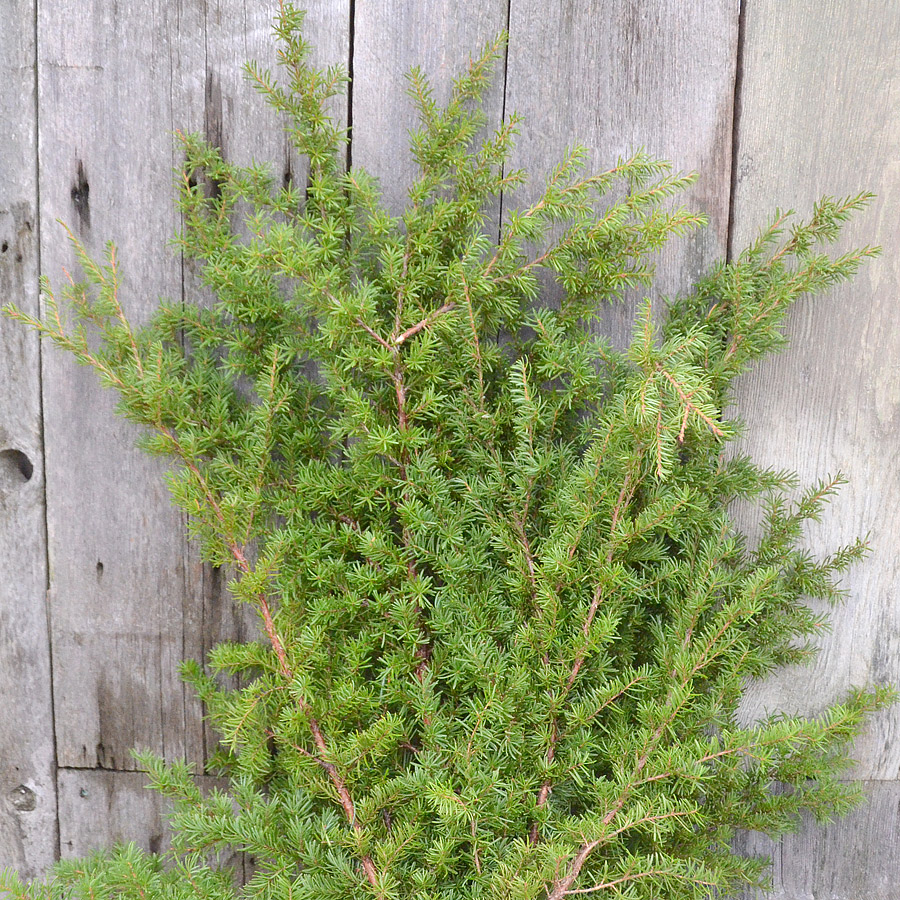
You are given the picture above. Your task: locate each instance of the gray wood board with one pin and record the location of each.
(617, 77)
(392, 37)
(28, 840)
(110, 95)
(130, 598)
(225, 106)
(821, 89)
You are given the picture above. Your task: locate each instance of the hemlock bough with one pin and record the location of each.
(506, 617)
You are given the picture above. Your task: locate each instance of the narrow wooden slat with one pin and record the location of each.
(98, 809)
(116, 551)
(220, 102)
(225, 105)
(818, 116)
(619, 76)
(27, 787)
(393, 36)
(130, 596)
(855, 857)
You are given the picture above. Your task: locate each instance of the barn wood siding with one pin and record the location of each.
(777, 103)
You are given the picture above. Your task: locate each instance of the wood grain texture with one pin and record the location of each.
(831, 403)
(223, 105)
(618, 76)
(100, 809)
(393, 36)
(108, 100)
(821, 89)
(27, 778)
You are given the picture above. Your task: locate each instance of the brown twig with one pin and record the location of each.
(424, 323)
(375, 335)
(635, 877)
(243, 564)
(561, 887)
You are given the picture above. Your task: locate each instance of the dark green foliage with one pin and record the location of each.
(506, 616)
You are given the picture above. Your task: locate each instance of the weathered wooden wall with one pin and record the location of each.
(773, 101)
(817, 114)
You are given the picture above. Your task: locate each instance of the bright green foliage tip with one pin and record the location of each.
(506, 618)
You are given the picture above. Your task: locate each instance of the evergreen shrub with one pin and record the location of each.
(506, 614)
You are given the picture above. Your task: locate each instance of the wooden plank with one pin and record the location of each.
(28, 840)
(98, 809)
(225, 105)
(818, 116)
(228, 110)
(393, 36)
(130, 598)
(615, 77)
(820, 90)
(116, 551)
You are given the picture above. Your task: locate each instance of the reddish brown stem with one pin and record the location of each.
(400, 390)
(424, 323)
(340, 786)
(546, 787)
(561, 888)
(374, 334)
(585, 630)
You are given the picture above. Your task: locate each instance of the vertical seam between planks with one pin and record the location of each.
(503, 111)
(205, 749)
(736, 99)
(175, 34)
(41, 437)
(351, 49)
(185, 556)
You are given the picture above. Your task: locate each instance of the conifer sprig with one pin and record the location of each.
(506, 616)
